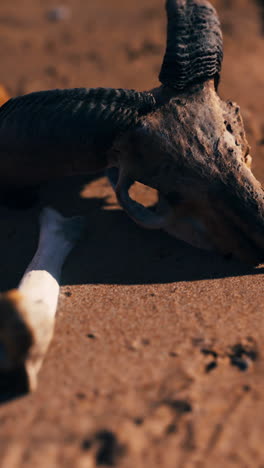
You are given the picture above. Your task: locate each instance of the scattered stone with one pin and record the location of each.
(145, 341)
(91, 336)
(59, 13)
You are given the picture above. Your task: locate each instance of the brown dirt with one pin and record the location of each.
(157, 359)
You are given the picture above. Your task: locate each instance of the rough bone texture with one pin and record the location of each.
(194, 44)
(197, 159)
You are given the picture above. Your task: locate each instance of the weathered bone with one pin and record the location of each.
(27, 314)
(180, 139)
(184, 228)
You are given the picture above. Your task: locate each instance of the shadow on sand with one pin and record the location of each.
(114, 251)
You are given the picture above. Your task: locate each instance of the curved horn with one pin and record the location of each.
(194, 44)
(139, 213)
(80, 118)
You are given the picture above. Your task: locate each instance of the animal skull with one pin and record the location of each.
(198, 156)
(198, 160)
(180, 139)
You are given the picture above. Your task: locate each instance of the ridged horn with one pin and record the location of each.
(71, 117)
(194, 44)
(143, 216)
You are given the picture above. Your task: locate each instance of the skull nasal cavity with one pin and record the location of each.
(228, 127)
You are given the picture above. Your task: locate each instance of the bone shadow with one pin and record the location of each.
(114, 251)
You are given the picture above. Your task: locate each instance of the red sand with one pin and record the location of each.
(157, 359)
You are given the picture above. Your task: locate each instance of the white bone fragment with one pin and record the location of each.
(27, 314)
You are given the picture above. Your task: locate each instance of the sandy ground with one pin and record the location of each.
(157, 359)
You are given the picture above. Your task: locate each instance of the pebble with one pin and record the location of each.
(59, 13)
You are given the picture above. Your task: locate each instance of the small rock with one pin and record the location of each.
(91, 336)
(145, 341)
(59, 13)
(134, 345)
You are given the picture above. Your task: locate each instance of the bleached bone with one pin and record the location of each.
(27, 314)
(180, 139)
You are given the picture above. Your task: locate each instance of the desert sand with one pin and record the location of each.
(157, 358)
